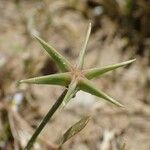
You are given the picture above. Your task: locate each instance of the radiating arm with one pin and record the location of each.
(62, 79)
(62, 63)
(88, 87)
(82, 53)
(70, 93)
(95, 72)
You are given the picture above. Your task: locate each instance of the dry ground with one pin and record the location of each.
(22, 107)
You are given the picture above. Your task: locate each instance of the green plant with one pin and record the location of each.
(74, 78)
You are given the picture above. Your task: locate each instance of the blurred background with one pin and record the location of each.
(120, 31)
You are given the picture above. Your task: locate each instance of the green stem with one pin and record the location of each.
(45, 120)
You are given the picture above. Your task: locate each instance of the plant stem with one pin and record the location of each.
(45, 120)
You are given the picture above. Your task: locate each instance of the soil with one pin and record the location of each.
(63, 24)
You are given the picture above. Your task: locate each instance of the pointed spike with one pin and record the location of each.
(72, 89)
(88, 87)
(82, 53)
(62, 79)
(92, 73)
(62, 63)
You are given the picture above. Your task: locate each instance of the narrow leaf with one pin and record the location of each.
(92, 73)
(62, 63)
(82, 53)
(62, 79)
(73, 130)
(88, 87)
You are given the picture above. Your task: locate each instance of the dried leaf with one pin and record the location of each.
(123, 146)
(73, 130)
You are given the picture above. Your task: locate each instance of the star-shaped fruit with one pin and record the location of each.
(75, 78)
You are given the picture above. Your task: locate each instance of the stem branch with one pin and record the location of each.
(45, 120)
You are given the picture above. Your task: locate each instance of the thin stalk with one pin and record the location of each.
(45, 120)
